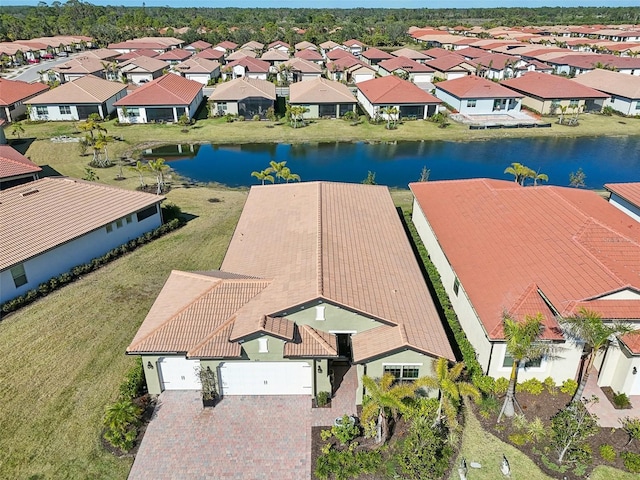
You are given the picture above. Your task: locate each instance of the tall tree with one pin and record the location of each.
(158, 167)
(140, 168)
(587, 329)
(277, 167)
(264, 175)
(518, 171)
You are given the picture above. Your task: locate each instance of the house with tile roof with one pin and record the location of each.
(498, 66)
(543, 250)
(310, 55)
(165, 99)
(198, 46)
(244, 96)
(623, 90)
(284, 47)
(373, 56)
(546, 93)
(299, 70)
(211, 54)
(626, 197)
(122, 58)
(407, 69)
(53, 224)
(241, 53)
(452, 66)
(275, 58)
(15, 168)
(348, 292)
(414, 55)
(77, 100)
(141, 70)
(175, 56)
(354, 47)
(322, 98)
(473, 95)
(226, 47)
(304, 45)
(159, 44)
(76, 68)
(391, 91)
(14, 97)
(199, 70)
(246, 67)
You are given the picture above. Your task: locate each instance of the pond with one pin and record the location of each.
(603, 160)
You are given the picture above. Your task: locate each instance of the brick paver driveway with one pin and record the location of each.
(249, 438)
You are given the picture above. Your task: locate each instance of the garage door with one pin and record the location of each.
(178, 373)
(266, 378)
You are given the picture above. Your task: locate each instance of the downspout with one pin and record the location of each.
(490, 357)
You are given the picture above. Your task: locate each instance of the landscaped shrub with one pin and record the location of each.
(121, 420)
(631, 461)
(519, 439)
(424, 453)
(133, 384)
(488, 405)
(43, 288)
(346, 464)
(569, 386)
(607, 452)
(632, 427)
(621, 400)
(484, 383)
(533, 386)
(502, 384)
(346, 431)
(550, 385)
(322, 398)
(537, 430)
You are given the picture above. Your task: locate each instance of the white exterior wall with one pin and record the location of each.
(259, 76)
(454, 75)
(630, 209)
(232, 108)
(177, 111)
(309, 76)
(136, 78)
(623, 105)
(421, 77)
(76, 252)
(202, 78)
(617, 371)
(367, 106)
(363, 77)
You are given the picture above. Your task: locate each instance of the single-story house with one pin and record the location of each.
(360, 73)
(498, 66)
(275, 58)
(175, 56)
(165, 99)
(199, 70)
(243, 96)
(452, 66)
(159, 44)
(141, 70)
(198, 46)
(391, 91)
(226, 47)
(323, 98)
(241, 53)
(253, 45)
(348, 292)
(304, 45)
(14, 97)
(135, 54)
(475, 232)
(546, 93)
(623, 90)
(53, 224)
(246, 67)
(338, 69)
(103, 54)
(373, 56)
(338, 53)
(15, 168)
(414, 55)
(407, 69)
(211, 54)
(310, 56)
(299, 70)
(77, 100)
(327, 46)
(76, 68)
(626, 197)
(284, 47)
(473, 95)
(354, 47)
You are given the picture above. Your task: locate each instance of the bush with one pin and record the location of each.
(121, 420)
(537, 430)
(134, 384)
(569, 386)
(519, 439)
(346, 464)
(171, 211)
(43, 289)
(621, 400)
(607, 452)
(632, 427)
(631, 461)
(425, 452)
(488, 405)
(533, 386)
(256, 118)
(322, 398)
(502, 384)
(484, 383)
(550, 385)
(346, 431)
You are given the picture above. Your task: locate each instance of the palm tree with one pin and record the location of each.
(140, 168)
(17, 129)
(391, 113)
(451, 389)
(518, 171)
(276, 167)
(522, 343)
(288, 176)
(586, 328)
(563, 110)
(158, 167)
(385, 401)
(537, 176)
(264, 175)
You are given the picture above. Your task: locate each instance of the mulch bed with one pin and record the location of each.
(153, 188)
(148, 402)
(610, 394)
(546, 406)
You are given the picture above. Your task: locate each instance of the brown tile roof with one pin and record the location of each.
(278, 43)
(471, 86)
(629, 191)
(437, 52)
(615, 83)
(103, 54)
(353, 43)
(227, 45)
(338, 239)
(308, 54)
(153, 43)
(169, 89)
(244, 87)
(12, 91)
(392, 90)
(546, 86)
(376, 54)
(200, 45)
(320, 90)
(309, 342)
(87, 89)
(274, 55)
(304, 45)
(42, 214)
(85, 64)
(253, 45)
(13, 163)
(511, 251)
(198, 65)
(329, 44)
(406, 64)
(144, 64)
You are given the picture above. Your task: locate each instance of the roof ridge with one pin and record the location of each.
(319, 265)
(525, 293)
(318, 338)
(213, 334)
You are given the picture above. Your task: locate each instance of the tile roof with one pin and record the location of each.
(42, 214)
(337, 237)
(497, 61)
(200, 45)
(353, 43)
(632, 341)
(253, 65)
(339, 53)
(169, 89)
(143, 64)
(629, 191)
(471, 52)
(243, 87)
(87, 89)
(274, 55)
(471, 86)
(546, 86)
(253, 45)
(406, 64)
(309, 342)
(103, 54)
(198, 65)
(137, 53)
(320, 90)
(175, 54)
(376, 54)
(437, 52)
(242, 53)
(450, 62)
(13, 163)
(303, 66)
(410, 53)
(308, 54)
(210, 54)
(566, 245)
(227, 45)
(12, 91)
(304, 45)
(329, 44)
(278, 43)
(392, 90)
(615, 83)
(85, 65)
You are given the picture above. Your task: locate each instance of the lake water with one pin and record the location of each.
(603, 160)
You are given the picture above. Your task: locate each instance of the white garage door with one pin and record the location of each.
(178, 373)
(266, 378)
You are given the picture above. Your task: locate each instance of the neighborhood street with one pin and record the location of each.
(29, 73)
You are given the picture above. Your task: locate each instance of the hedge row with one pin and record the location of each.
(76, 272)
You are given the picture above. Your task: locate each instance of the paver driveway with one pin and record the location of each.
(243, 437)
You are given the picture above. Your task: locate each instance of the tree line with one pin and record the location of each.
(378, 27)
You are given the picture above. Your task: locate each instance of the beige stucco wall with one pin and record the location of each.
(544, 106)
(151, 374)
(617, 371)
(336, 319)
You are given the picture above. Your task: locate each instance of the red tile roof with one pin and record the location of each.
(169, 89)
(308, 54)
(12, 91)
(339, 53)
(200, 45)
(253, 65)
(448, 62)
(406, 64)
(543, 85)
(210, 54)
(376, 54)
(13, 163)
(496, 61)
(136, 54)
(471, 86)
(629, 191)
(227, 45)
(392, 90)
(566, 246)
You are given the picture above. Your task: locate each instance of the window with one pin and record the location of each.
(472, 103)
(128, 219)
(508, 362)
(146, 213)
(637, 105)
(109, 228)
(119, 223)
(263, 345)
(403, 372)
(42, 110)
(19, 275)
(133, 112)
(573, 103)
(456, 286)
(65, 110)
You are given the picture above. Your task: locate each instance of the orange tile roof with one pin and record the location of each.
(629, 191)
(210, 54)
(253, 65)
(376, 54)
(84, 90)
(42, 214)
(546, 86)
(392, 90)
(571, 244)
(471, 86)
(309, 342)
(339, 53)
(632, 341)
(448, 62)
(13, 163)
(198, 65)
(175, 54)
(12, 91)
(406, 64)
(169, 89)
(137, 53)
